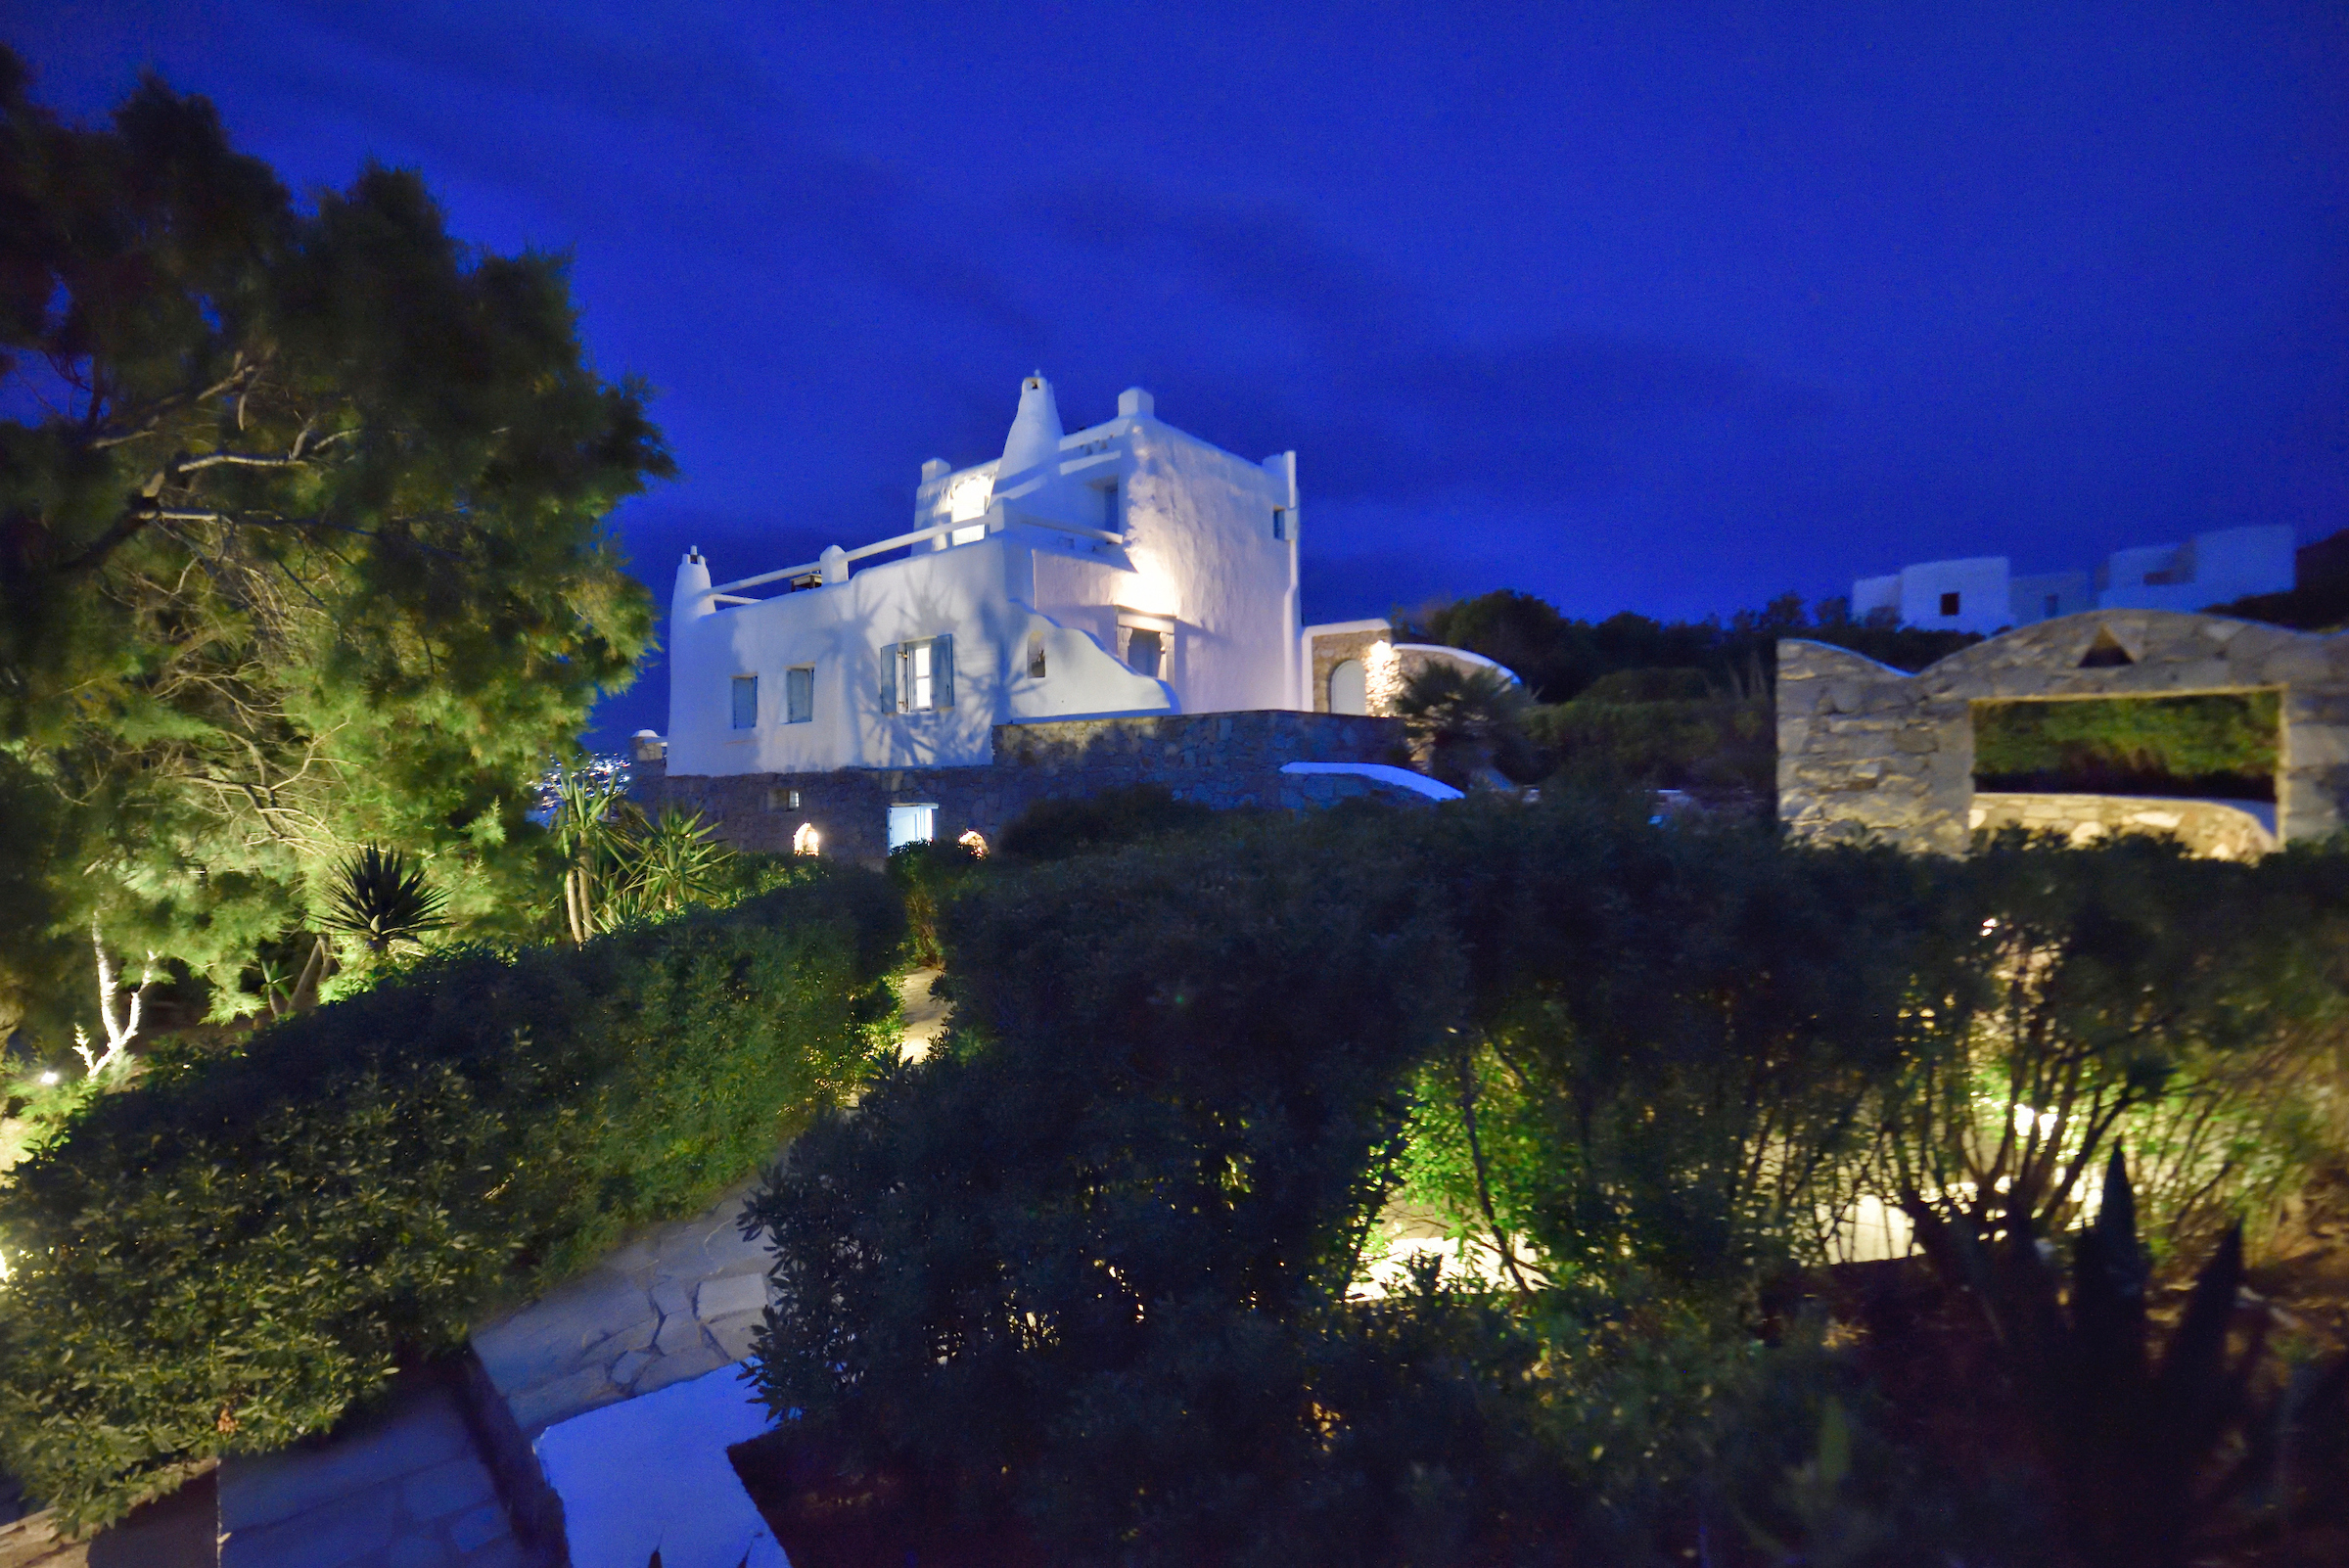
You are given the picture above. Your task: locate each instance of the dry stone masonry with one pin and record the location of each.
(1865, 750)
(1220, 759)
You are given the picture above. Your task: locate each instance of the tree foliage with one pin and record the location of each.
(1560, 656)
(301, 538)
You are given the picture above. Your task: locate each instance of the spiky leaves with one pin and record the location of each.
(380, 898)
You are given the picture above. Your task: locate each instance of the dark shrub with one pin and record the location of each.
(1054, 830)
(227, 1254)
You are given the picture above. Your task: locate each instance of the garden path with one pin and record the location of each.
(678, 1300)
(411, 1488)
(405, 1488)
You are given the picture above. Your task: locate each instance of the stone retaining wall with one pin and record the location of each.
(2225, 830)
(1865, 750)
(1222, 759)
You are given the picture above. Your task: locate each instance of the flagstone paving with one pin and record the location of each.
(411, 1487)
(403, 1489)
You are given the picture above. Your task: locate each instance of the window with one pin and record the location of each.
(1145, 652)
(1280, 522)
(746, 702)
(1035, 656)
(911, 824)
(2055, 603)
(782, 799)
(798, 695)
(917, 676)
(1109, 507)
(1948, 603)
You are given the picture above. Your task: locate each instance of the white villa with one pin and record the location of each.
(1981, 594)
(1122, 571)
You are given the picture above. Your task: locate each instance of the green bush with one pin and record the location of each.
(229, 1254)
(2223, 745)
(926, 874)
(1079, 1284)
(1681, 743)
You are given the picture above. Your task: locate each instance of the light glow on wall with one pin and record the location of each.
(1382, 677)
(975, 841)
(806, 841)
(967, 498)
(1150, 591)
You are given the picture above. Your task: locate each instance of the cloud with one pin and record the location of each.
(1391, 403)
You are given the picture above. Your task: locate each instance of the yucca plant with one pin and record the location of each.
(2155, 1457)
(380, 898)
(674, 861)
(596, 826)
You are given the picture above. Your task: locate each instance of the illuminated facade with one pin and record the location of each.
(1128, 569)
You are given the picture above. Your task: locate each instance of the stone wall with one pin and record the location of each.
(1223, 759)
(1866, 750)
(2225, 830)
(1333, 649)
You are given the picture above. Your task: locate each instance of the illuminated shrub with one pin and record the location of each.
(224, 1257)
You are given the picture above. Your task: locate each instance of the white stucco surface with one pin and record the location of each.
(2209, 569)
(1402, 778)
(652, 1475)
(1067, 546)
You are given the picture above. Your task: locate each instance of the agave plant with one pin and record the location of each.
(380, 898)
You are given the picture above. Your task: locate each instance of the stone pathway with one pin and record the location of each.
(411, 1488)
(676, 1302)
(406, 1489)
(925, 1013)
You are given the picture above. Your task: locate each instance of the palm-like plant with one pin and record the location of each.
(1466, 724)
(380, 898)
(677, 860)
(596, 827)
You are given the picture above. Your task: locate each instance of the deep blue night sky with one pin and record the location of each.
(1656, 308)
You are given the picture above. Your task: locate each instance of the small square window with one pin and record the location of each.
(1948, 603)
(2055, 603)
(746, 702)
(798, 695)
(1143, 652)
(782, 799)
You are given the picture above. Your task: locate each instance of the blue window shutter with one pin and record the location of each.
(941, 672)
(745, 693)
(889, 677)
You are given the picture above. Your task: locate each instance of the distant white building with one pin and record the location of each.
(1127, 568)
(1980, 594)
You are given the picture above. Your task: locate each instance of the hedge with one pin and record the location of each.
(2224, 745)
(230, 1254)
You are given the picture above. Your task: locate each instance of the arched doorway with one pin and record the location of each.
(1349, 691)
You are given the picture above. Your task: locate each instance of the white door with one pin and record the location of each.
(1349, 691)
(912, 824)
